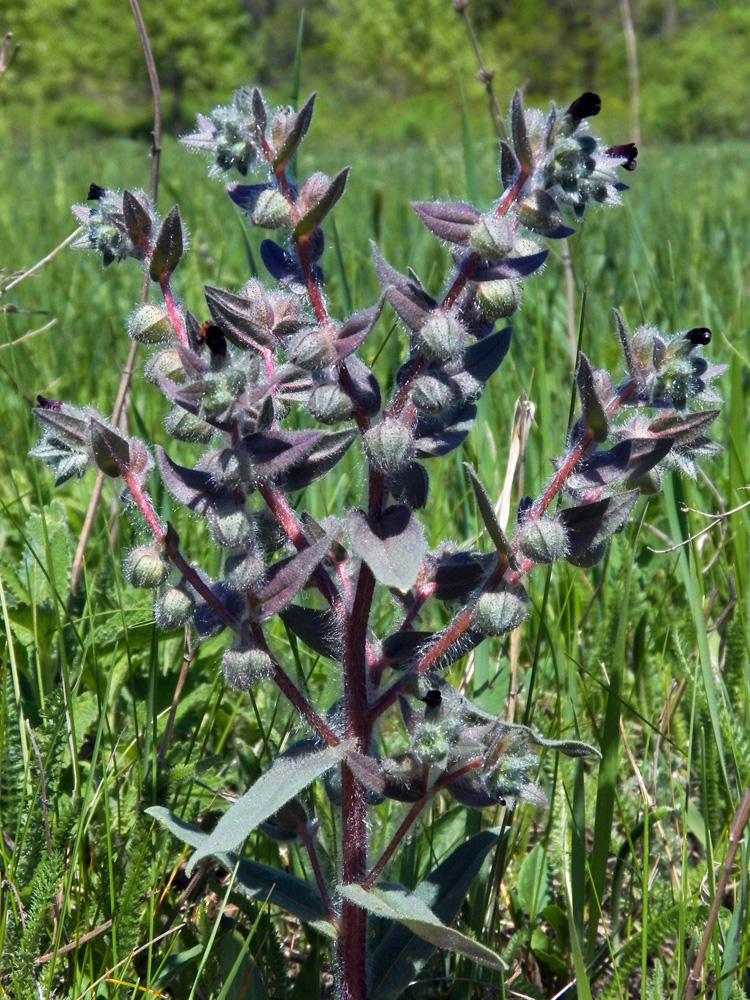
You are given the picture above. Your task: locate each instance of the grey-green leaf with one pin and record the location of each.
(395, 902)
(286, 777)
(402, 954)
(392, 547)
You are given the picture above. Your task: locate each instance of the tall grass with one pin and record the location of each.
(646, 655)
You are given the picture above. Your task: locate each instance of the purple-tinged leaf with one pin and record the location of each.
(682, 428)
(274, 452)
(404, 646)
(317, 629)
(600, 468)
(471, 792)
(510, 267)
(315, 215)
(450, 220)
(296, 134)
(521, 144)
(401, 955)
(326, 452)
(560, 232)
(168, 247)
(509, 165)
(592, 523)
(288, 576)
(646, 453)
(361, 384)
(457, 574)
(593, 412)
(193, 488)
(482, 359)
(410, 485)
(285, 779)
(111, 450)
(400, 778)
(284, 267)
(245, 322)
(138, 221)
(353, 333)
(408, 298)
(435, 438)
(392, 547)
(260, 113)
(64, 423)
(391, 901)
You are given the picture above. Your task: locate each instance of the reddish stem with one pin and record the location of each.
(309, 842)
(175, 316)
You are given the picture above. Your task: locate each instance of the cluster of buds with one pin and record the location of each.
(233, 377)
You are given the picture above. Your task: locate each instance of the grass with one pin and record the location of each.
(646, 655)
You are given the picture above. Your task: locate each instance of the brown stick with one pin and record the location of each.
(127, 372)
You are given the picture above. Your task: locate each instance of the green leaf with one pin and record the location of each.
(168, 247)
(254, 880)
(392, 547)
(313, 218)
(402, 954)
(533, 887)
(394, 902)
(487, 513)
(286, 777)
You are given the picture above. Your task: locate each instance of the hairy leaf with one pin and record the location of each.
(317, 629)
(361, 384)
(245, 323)
(392, 547)
(297, 132)
(326, 452)
(520, 135)
(510, 267)
(313, 218)
(683, 428)
(450, 220)
(193, 488)
(593, 412)
(138, 221)
(436, 437)
(274, 452)
(401, 955)
(595, 522)
(353, 333)
(168, 247)
(487, 513)
(288, 576)
(286, 777)
(111, 450)
(408, 298)
(482, 359)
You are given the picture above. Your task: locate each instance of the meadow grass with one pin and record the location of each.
(645, 655)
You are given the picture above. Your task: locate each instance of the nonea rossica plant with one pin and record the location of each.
(272, 393)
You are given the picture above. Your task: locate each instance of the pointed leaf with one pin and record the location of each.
(482, 359)
(313, 218)
(254, 880)
(518, 129)
(353, 333)
(682, 428)
(66, 424)
(509, 165)
(193, 488)
(436, 437)
(407, 297)
(245, 323)
(392, 547)
(317, 629)
(488, 515)
(297, 132)
(168, 247)
(284, 266)
(450, 220)
(288, 576)
(593, 411)
(401, 955)
(325, 453)
(286, 777)
(362, 385)
(510, 267)
(138, 221)
(111, 449)
(595, 522)
(570, 748)
(645, 453)
(274, 452)
(391, 901)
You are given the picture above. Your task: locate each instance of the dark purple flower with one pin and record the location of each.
(585, 106)
(627, 151)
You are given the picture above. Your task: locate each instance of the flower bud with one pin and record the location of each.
(539, 211)
(498, 299)
(149, 324)
(281, 125)
(500, 611)
(231, 529)
(542, 540)
(442, 337)
(221, 389)
(431, 395)
(173, 609)
(312, 191)
(431, 744)
(244, 666)
(242, 572)
(271, 210)
(329, 404)
(166, 364)
(312, 349)
(389, 446)
(144, 567)
(186, 426)
(491, 238)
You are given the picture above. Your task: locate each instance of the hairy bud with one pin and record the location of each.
(542, 540)
(242, 572)
(271, 209)
(150, 324)
(184, 426)
(312, 349)
(329, 404)
(492, 238)
(498, 299)
(173, 609)
(389, 446)
(145, 568)
(442, 337)
(165, 364)
(500, 611)
(244, 666)
(231, 529)
(431, 395)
